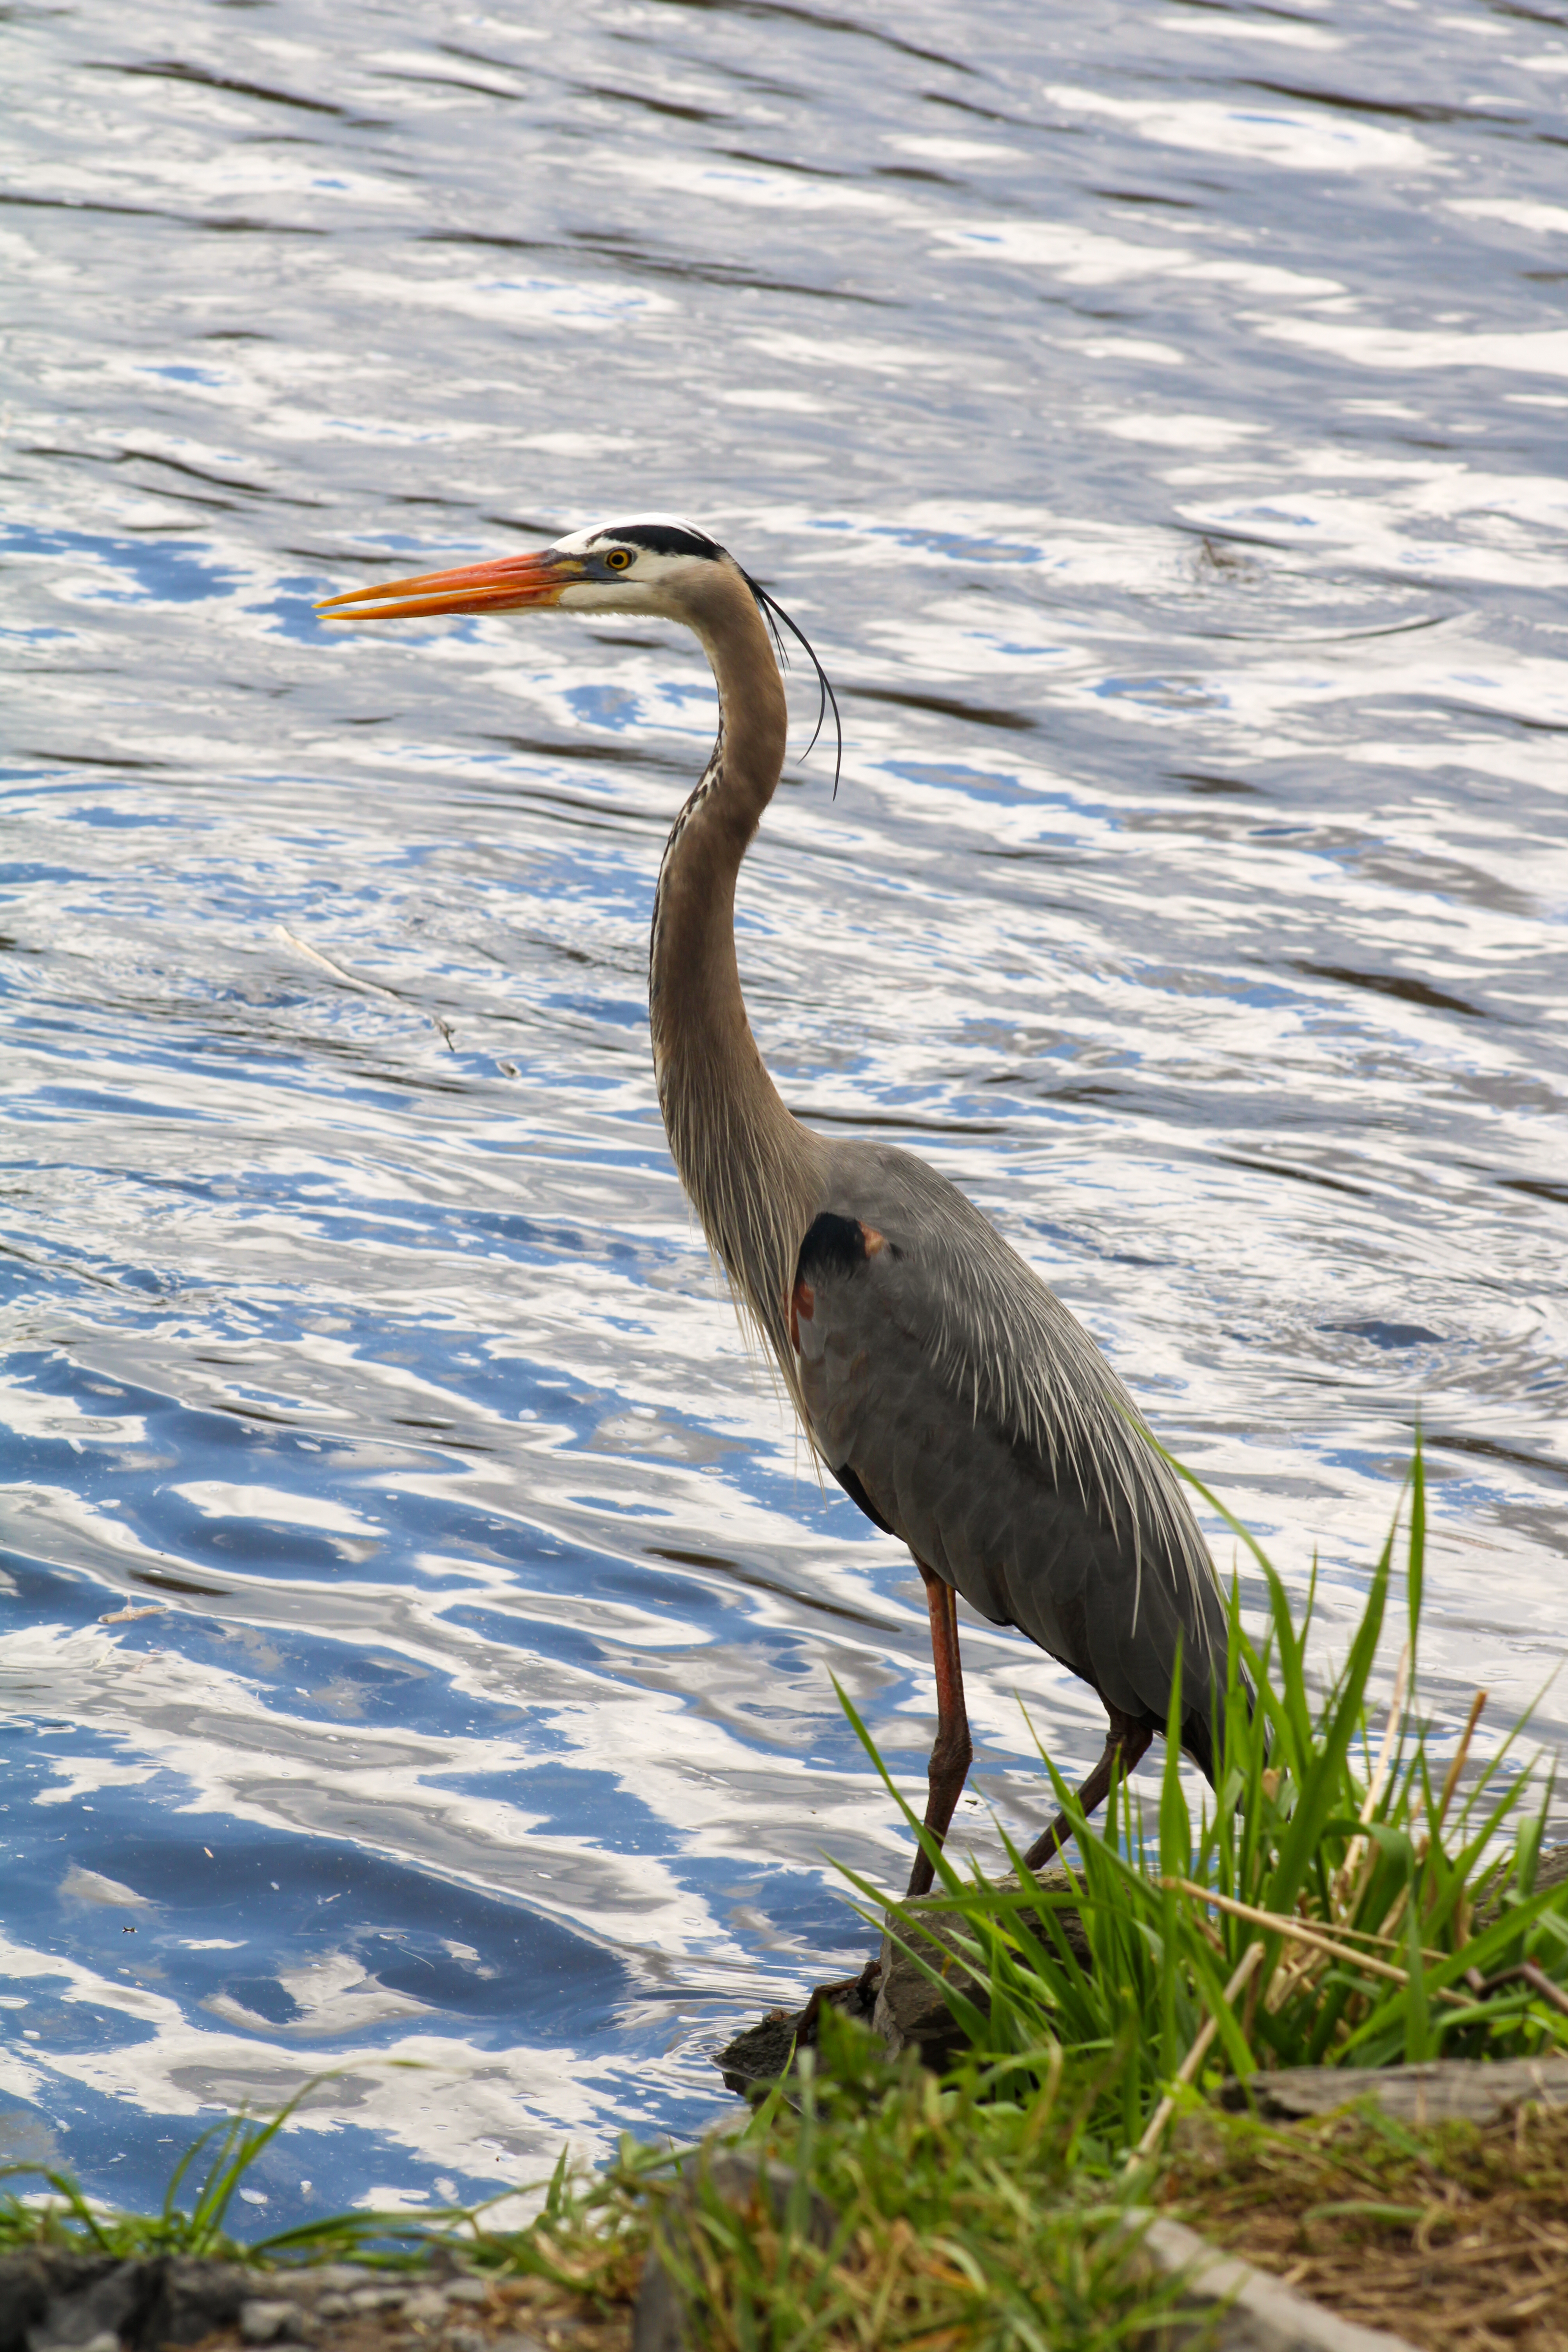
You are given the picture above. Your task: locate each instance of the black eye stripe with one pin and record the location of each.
(665, 539)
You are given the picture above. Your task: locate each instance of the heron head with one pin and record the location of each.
(652, 564)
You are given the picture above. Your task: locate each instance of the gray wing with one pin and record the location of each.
(968, 1413)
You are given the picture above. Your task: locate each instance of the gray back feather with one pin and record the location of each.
(1009, 1352)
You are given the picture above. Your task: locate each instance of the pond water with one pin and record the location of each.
(419, 1618)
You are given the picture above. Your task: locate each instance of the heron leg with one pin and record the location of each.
(953, 1749)
(1126, 1744)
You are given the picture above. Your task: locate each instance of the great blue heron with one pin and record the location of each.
(951, 1394)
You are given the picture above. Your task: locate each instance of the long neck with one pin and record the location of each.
(751, 1171)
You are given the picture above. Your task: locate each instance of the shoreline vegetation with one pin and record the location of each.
(1351, 1899)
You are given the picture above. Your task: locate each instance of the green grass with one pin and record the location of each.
(981, 2212)
(65, 2219)
(1341, 1901)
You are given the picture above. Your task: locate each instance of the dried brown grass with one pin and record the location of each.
(1455, 2237)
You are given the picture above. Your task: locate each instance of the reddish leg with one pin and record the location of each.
(1126, 1744)
(949, 1758)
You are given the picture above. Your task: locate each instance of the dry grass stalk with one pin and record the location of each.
(1359, 1848)
(1194, 2058)
(1293, 1931)
(1461, 1755)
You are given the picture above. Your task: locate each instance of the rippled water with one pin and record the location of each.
(419, 1618)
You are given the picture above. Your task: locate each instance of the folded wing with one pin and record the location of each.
(966, 1411)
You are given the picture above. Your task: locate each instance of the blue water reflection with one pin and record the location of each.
(154, 570)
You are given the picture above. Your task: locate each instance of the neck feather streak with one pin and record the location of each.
(751, 1169)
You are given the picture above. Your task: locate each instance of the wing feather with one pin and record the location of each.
(983, 1425)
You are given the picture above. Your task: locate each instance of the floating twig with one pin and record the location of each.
(364, 987)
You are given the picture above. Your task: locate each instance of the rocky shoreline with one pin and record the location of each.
(56, 2301)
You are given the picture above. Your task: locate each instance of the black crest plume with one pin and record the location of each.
(774, 613)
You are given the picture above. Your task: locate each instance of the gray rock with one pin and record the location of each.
(67, 2301)
(194, 2297)
(1469, 2090)
(364, 2292)
(763, 2055)
(329, 2278)
(661, 2322)
(894, 1997)
(909, 2008)
(105, 2308)
(425, 2307)
(760, 2053)
(53, 2301)
(52, 2298)
(266, 2322)
(1262, 2315)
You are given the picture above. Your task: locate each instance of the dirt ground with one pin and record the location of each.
(1456, 2240)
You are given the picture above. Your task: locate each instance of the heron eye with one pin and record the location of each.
(618, 559)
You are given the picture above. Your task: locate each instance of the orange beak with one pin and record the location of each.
(502, 587)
